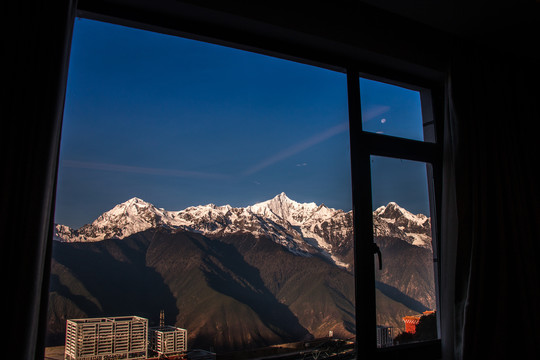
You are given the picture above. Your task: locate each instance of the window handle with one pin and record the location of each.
(377, 251)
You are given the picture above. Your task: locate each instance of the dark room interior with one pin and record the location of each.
(479, 58)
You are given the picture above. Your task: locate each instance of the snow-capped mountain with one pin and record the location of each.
(394, 221)
(305, 229)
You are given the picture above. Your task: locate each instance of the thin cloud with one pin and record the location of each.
(141, 170)
(301, 146)
(374, 111)
(282, 155)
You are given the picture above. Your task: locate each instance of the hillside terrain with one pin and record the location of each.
(237, 278)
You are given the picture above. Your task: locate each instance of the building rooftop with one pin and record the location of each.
(108, 319)
(165, 328)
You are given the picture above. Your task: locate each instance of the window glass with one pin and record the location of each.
(207, 182)
(404, 276)
(391, 110)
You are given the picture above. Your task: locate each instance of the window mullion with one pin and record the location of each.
(366, 340)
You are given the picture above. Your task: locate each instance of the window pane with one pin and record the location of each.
(405, 286)
(391, 110)
(208, 182)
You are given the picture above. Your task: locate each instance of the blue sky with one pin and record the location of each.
(179, 122)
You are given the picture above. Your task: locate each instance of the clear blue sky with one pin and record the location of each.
(179, 122)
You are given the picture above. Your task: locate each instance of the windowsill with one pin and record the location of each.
(428, 350)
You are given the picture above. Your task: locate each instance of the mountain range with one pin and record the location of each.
(272, 272)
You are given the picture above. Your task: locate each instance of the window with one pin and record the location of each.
(300, 135)
(391, 110)
(208, 182)
(403, 236)
(395, 157)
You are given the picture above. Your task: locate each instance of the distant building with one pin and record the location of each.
(168, 340)
(106, 338)
(412, 320)
(385, 336)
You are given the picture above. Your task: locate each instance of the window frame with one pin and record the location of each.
(365, 145)
(277, 42)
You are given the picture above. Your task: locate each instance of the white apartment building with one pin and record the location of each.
(168, 340)
(104, 338)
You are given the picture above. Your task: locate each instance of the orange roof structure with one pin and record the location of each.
(412, 320)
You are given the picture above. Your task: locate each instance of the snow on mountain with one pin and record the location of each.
(281, 207)
(393, 220)
(304, 229)
(313, 225)
(130, 217)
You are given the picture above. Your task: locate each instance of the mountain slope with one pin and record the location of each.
(407, 274)
(217, 288)
(236, 278)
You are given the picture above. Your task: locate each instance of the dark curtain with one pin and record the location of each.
(490, 303)
(36, 47)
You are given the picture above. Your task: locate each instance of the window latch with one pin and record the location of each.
(377, 251)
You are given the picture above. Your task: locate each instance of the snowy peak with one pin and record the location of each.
(132, 207)
(296, 214)
(390, 211)
(127, 218)
(284, 208)
(135, 201)
(393, 220)
(394, 211)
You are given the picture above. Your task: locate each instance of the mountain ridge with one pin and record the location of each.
(305, 229)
